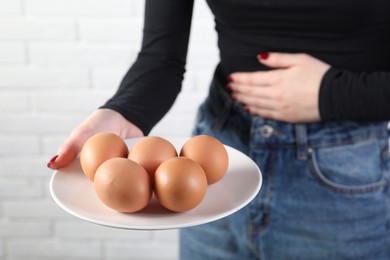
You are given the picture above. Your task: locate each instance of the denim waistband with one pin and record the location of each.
(261, 131)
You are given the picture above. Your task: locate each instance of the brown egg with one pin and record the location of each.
(98, 149)
(151, 151)
(210, 153)
(180, 184)
(123, 185)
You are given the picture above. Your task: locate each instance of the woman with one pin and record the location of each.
(302, 87)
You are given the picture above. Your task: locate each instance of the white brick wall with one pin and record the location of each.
(59, 61)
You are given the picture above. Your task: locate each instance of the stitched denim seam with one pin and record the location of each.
(346, 189)
(319, 145)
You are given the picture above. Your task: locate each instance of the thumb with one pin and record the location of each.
(278, 59)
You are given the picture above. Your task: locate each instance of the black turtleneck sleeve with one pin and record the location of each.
(345, 95)
(151, 85)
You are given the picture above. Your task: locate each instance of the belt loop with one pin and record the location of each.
(301, 141)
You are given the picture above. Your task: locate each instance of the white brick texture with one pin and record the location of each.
(160, 250)
(82, 229)
(20, 188)
(59, 61)
(30, 29)
(12, 53)
(35, 78)
(26, 228)
(53, 248)
(111, 31)
(81, 7)
(80, 55)
(10, 7)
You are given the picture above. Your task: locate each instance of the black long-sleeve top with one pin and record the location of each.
(352, 36)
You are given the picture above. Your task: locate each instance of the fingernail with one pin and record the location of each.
(233, 97)
(229, 88)
(51, 162)
(263, 55)
(246, 109)
(230, 79)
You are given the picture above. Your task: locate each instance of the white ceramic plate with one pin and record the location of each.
(75, 193)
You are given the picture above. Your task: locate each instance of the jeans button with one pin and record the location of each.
(266, 131)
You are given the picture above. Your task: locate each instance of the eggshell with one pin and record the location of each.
(210, 153)
(123, 185)
(151, 151)
(98, 149)
(180, 184)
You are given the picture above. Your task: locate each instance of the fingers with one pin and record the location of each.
(257, 91)
(274, 60)
(258, 78)
(247, 93)
(69, 149)
(266, 113)
(277, 61)
(262, 101)
(277, 93)
(101, 120)
(281, 60)
(63, 158)
(263, 104)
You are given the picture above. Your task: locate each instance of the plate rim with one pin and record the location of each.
(164, 226)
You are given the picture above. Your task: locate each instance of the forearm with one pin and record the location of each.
(153, 82)
(346, 95)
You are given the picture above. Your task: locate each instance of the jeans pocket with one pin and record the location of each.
(353, 168)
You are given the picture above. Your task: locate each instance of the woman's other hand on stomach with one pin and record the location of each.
(289, 92)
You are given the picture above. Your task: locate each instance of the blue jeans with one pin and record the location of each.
(325, 189)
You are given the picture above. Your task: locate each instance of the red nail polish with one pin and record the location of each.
(233, 97)
(247, 110)
(263, 55)
(229, 88)
(230, 79)
(51, 161)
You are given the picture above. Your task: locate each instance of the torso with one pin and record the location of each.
(349, 34)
